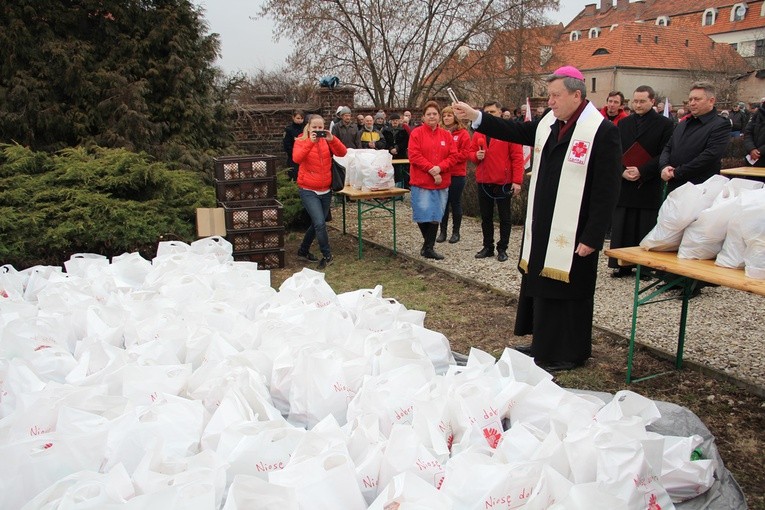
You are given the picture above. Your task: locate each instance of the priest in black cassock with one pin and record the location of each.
(574, 187)
(644, 135)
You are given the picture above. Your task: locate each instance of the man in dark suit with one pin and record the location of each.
(573, 192)
(644, 135)
(695, 150)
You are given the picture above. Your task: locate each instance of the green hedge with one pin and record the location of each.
(96, 200)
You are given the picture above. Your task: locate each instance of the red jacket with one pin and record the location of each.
(502, 164)
(461, 139)
(619, 116)
(428, 148)
(315, 160)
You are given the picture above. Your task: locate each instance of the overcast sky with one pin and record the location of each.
(248, 45)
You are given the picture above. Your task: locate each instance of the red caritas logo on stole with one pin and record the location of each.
(579, 150)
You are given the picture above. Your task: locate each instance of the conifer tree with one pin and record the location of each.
(136, 74)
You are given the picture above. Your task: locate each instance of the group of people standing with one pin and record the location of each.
(589, 174)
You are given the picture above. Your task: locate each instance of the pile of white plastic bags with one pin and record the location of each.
(368, 169)
(187, 382)
(721, 219)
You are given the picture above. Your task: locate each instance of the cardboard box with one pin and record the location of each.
(211, 222)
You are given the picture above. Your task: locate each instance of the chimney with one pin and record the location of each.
(590, 10)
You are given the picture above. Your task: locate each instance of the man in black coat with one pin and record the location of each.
(754, 137)
(696, 148)
(575, 185)
(644, 135)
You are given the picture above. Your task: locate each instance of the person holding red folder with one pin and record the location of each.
(644, 135)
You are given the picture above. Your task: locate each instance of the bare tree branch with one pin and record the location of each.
(392, 51)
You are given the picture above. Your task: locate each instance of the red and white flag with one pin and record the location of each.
(667, 108)
(526, 148)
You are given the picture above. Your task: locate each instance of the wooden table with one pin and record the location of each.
(667, 271)
(750, 172)
(370, 201)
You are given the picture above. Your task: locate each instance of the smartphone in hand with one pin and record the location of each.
(452, 95)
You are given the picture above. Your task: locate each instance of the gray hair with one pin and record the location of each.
(707, 87)
(571, 84)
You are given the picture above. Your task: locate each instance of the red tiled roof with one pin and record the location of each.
(644, 46)
(686, 13)
(490, 63)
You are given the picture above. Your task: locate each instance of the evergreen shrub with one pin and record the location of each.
(95, 200)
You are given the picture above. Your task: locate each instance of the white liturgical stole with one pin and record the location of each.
(568, 200)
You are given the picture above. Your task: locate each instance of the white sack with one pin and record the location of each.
(408, 492)
(682, 477)
(681, 208)
(323, 482)
(745, 226)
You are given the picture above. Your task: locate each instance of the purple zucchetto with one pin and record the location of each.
(570, 72)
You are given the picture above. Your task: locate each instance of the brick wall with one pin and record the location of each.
(259, 128)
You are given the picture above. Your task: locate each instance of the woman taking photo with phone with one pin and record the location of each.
(432, 154)
(313, 151)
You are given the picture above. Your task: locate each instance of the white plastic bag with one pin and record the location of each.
(408, 492)
(323, 482)
(682, 477)
(745, 226)
(754, 258)
(681, 208)
(374, 169)
(248, 492)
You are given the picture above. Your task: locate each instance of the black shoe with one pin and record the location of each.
(558, 366)
(523, 349)
(441, 237)
(422, 251)
(310, 257)
(326, 261)
(502, 255)
(455, 238)
(485, 253)
(430, 253)
(621, 272)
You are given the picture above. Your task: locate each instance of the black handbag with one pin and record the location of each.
(338, 176)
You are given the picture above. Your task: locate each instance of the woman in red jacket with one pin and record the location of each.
(432, 154)
(313, 152)
(461, 139)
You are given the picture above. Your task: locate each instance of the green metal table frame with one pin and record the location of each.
(659, 284)
(366, 206)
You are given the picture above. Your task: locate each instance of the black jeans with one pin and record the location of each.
(454, 202)
(488, 195)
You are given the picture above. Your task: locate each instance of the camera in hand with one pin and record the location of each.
(321, 134)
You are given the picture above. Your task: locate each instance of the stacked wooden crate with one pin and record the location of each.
(246, 190)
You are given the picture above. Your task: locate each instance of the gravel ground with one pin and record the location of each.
(725, 328)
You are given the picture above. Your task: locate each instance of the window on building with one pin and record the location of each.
(601, 51)
(662, 21)
(545, 54)
(594, 32)
(709, 17)
(738, 12)
(575, 35)
(594, 82)
(759, 48)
